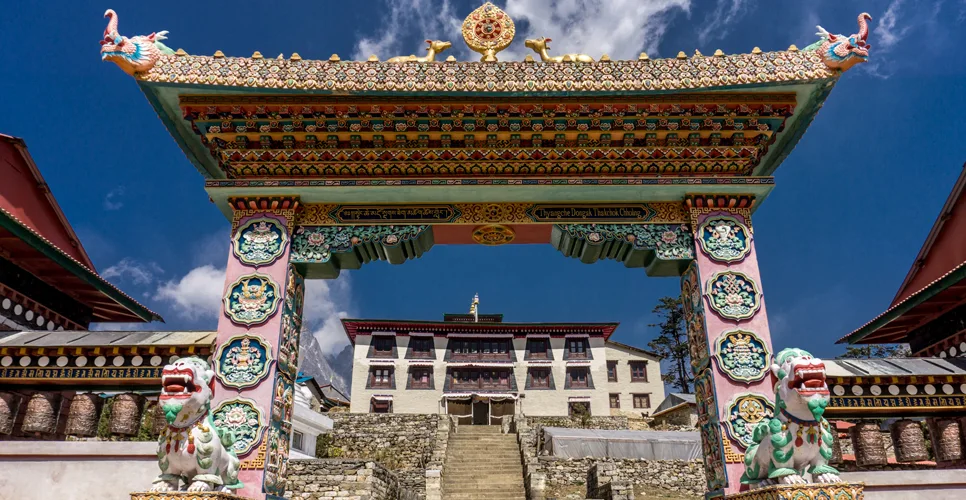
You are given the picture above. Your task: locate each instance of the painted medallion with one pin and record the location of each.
(724, 238)
(733, 295)
(742, 356)
(694, 318)
(242, 418)
(745, 412)
(488, 30)
(243, 361)
(252, 299)
(259, 241)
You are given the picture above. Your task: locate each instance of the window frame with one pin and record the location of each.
(646, 396)
(381, 353)
(374, 405)
(479, 349)
(413, 353)
(612, 371)
(298, 440)
(373, 383)
(638, 364)
(531, 380)
(413, 384)
(613, 398)
(583, 352)
(588, 383)
(546, 354)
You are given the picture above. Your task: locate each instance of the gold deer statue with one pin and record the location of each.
(540, 46)
(435, 47)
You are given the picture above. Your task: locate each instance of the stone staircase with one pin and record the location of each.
(482, 464)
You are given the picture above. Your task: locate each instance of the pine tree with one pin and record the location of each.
(672, 343)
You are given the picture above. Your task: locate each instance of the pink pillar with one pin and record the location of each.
(729, 337)
(256, 357)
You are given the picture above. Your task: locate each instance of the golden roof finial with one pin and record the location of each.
(643, 57)
(474, 307)
(793, 48)
(373, 58)
(295, 57)
(756, 50)
(334, 58)
(697, 53)
(180, 53)
(219, 54)
(257, 55)
(682, 55)
(718, 53)
(488, 30)
(605, 58)
(450, 59)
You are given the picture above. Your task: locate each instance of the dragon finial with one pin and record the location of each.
(842, 52)
(133, 55)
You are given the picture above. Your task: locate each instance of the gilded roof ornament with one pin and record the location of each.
(435, 47)
(488, 30)
(541, 45)
(137, 54)
(840, 51)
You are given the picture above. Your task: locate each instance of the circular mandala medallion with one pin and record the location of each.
(252, 299)
(724, 238)
(242, 361)
(733, 295)
(488, 30)
(244, 420)
(742, 356)
(494, 234)
(259, 241)
(744, 413)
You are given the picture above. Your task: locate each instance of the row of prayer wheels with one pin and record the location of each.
(43, 413)
(908, 441)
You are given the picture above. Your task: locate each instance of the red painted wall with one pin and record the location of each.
(947, 252)
(21, 194)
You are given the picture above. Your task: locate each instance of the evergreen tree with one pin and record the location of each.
(672, 343)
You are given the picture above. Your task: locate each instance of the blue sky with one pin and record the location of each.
(852, 205)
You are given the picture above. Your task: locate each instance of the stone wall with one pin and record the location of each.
(344, 478)
(684, 476)
(407, 444)
(611, 423)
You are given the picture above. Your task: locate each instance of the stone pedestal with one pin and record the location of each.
(186, 495)
(838, 491)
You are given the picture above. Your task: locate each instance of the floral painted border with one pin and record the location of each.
(222, 369)
(254, 251)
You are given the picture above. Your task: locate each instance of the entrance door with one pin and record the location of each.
(481, 413)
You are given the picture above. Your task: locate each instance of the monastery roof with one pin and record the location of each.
(37, 237)
(42, 339)
(942, 261)
(355, 326)
(632, 348)
(894, 367)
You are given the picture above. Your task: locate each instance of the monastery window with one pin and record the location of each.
(383, 347)
(465, 378)
(538, 349)
(381, 378)
(421, 347)
(615, 400)
(638, 371)
(642, 400)
(539, 378)
(479, 349)
(420, 378)
(612, 371)
(577, 349)
(579, 378)
(380, 406)
(297, 438)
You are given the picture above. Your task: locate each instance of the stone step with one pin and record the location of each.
(452, 473)
(479, 464)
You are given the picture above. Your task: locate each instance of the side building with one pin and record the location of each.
(481, 369)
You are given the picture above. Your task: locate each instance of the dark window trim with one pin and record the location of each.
(450, 385)
(410, 382)
(638, 394)
(610, 400)
(410, 354)
(373, 403)
(371, 379)
(451, 344)
(614, 373)
(590, 379)
(632, 364)
(587, 354)
(548, 353)
(372, 348)
(529, 384)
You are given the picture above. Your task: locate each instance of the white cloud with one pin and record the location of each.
(726, 12)
(886, 34)
(326, 303)
(619, 28)
(197, 294)
(129, 269)
(112, 200)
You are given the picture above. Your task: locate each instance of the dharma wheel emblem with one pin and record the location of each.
(745, 412)
(488, 30)
(493, 234)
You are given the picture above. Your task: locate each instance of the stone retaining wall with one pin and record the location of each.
(344, 478)
(612, 423)
(685, 476)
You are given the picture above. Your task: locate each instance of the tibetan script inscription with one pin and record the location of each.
(401, 214)
(85, 373)
(945, 402)
(596, 213)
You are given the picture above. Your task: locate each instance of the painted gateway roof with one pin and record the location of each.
(38, 238)
(329, 130)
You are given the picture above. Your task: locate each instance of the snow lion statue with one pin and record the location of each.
(798, 439)
(191, 449)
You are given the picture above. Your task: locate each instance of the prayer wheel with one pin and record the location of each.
(126, 414)
(83, 415)
(946, 441)
(9, 406)
(909, 441)
(867, 443)
(42, 412)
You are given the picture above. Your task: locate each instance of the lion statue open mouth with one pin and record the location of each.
(191, 449)
(799, 439)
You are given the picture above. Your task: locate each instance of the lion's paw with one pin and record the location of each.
(162, 486)
(828, 478)
(792, 479)
(199, 486)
